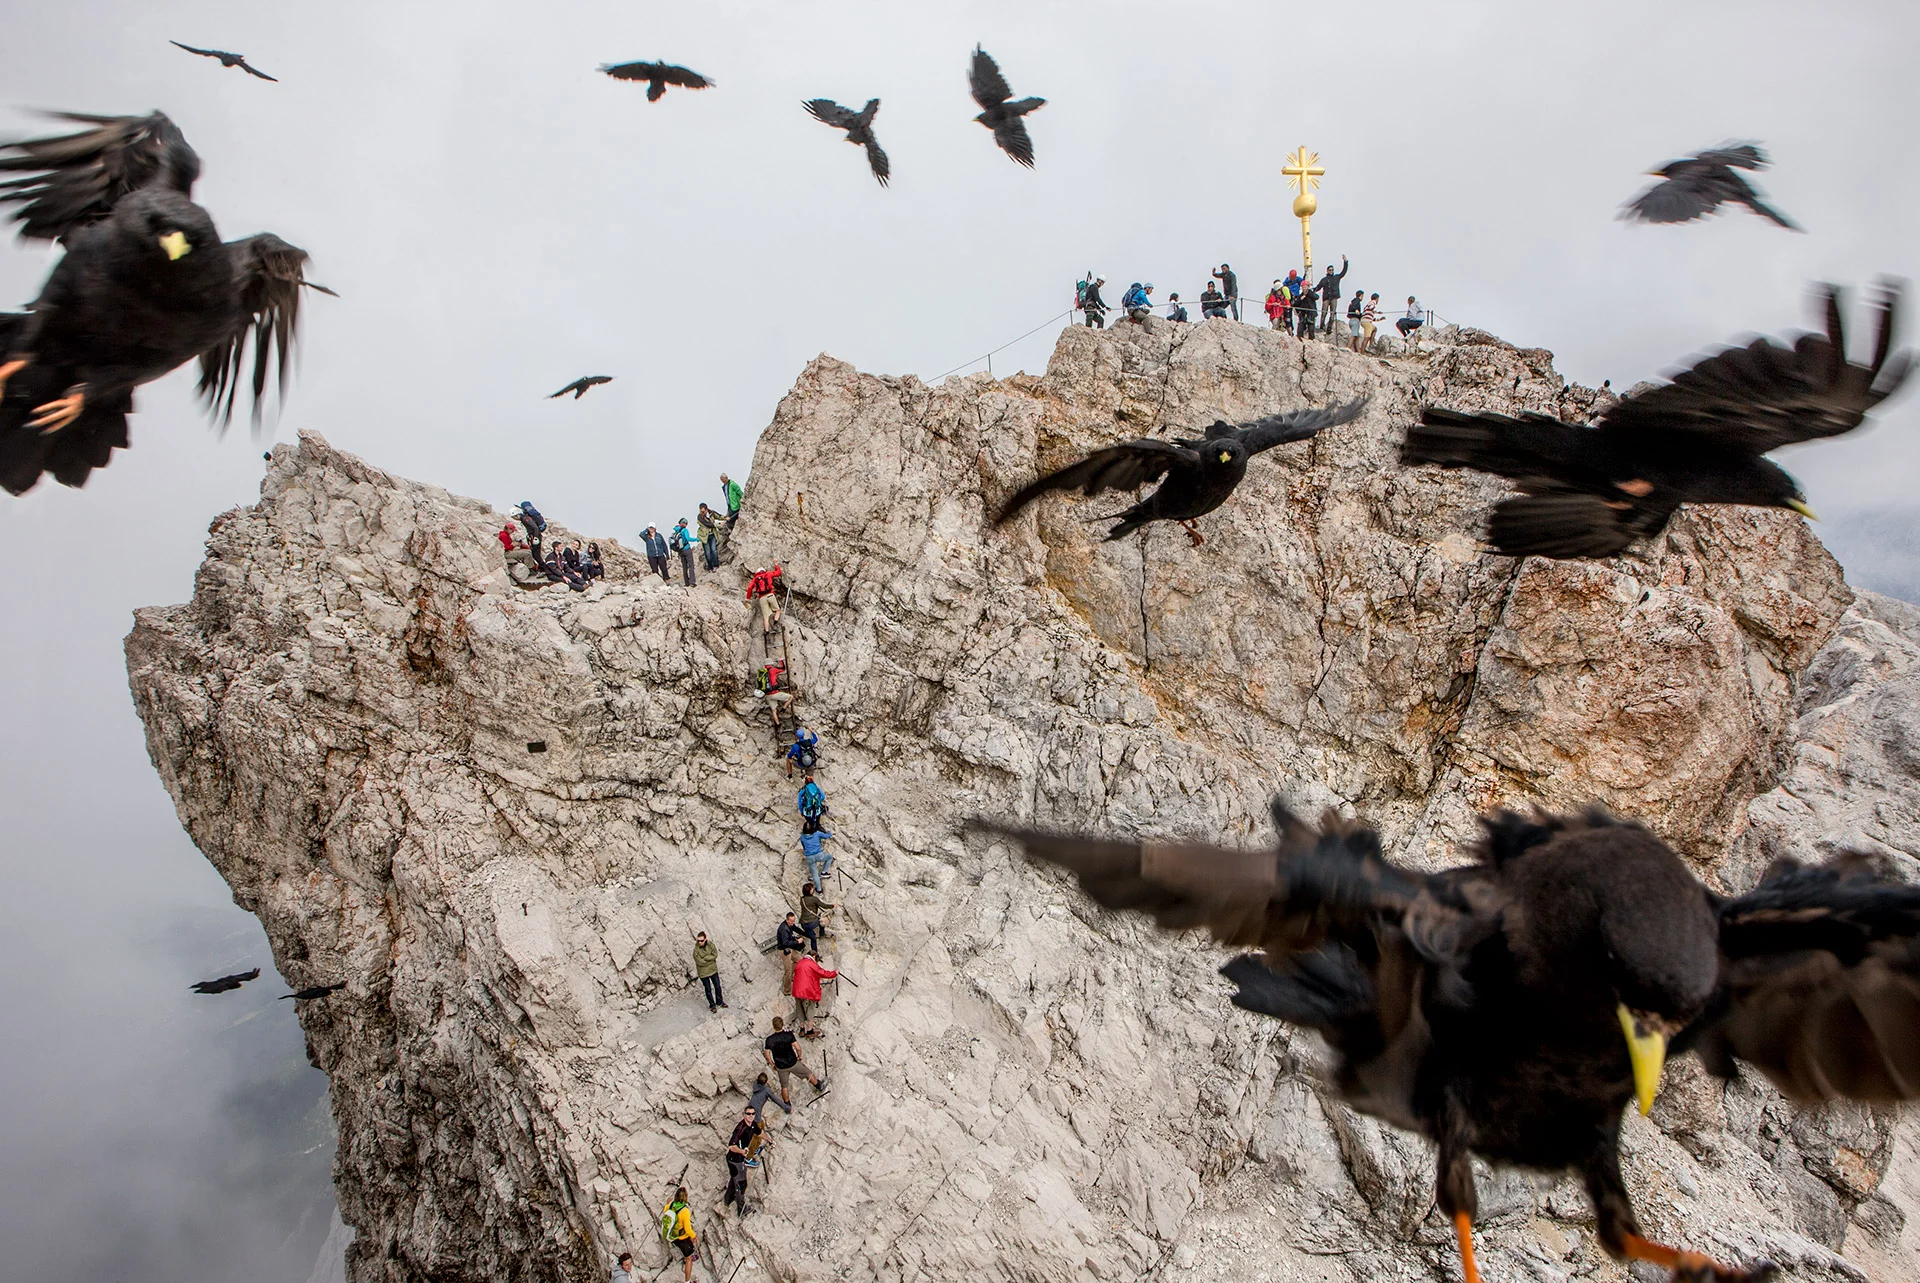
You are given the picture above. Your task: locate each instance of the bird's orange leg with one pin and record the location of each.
(10, 369)
(1463, 1231)
(1193, 533)
(55, 415)
(1692, 1267)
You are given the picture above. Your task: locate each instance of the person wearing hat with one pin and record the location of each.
(1094, 306)
(682, 541)
(656, 552)
(1139, 303)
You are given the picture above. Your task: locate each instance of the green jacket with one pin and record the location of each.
(733, 496)
(708, 522)
(706, 959)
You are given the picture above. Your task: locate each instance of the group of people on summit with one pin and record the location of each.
(531, 565)
(709, 531)
(1294, 304)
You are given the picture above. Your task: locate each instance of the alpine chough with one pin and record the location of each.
(579, 386)
(991, 91)
(859, 127)
(1200, 472)
(225, 983)
(1700, 184)
(658, 75)
(314, 991)
(1512, 1008)
(226, 59)
(145, 285)
(1592, 491)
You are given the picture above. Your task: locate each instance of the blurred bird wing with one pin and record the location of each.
(1672, 200)
(1820, 983)
(1567, 523)
(877, 159)
(634, 70)
(575, 386)
(270, 273)
(1295, 425)
(684, 77)
(1763, 396)
(829, 112)
(204, 53)
(1014, 140)
(1126, 466)
(75, 179)
(990, 88)
(1735, 156)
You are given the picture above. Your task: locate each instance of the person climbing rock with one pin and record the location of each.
(706, 965)
(807, 975)
(745, 1133)
(791, 943)
(782, 1050)
(682, 541)
(656, 552)
(819, 859)
(730, 490)
(763, 1096)
(812, 908)
(803, 752)
(812, 803)
(763, 586)
(676, 1226)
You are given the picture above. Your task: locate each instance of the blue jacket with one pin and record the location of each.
(656, 546)
(1135, 297)
(811, 800)
(681, 538)
(810, 842)
(801, 743)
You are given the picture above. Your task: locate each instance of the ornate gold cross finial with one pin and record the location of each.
(1304, 170)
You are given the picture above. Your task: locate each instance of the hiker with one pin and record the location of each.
(730, 489)
(807, 975)
(623, 1268)
(745, 1132)
(782, 1051)
(656, 552)
(709, 526)
(1369, 321)
(1330, 294)
(571, 556)
(1412, 321)
(682, 541)
(812, 909)
(591, 566)
(1229, 286)
(535, 523)
(1303, 309)
(1276, 305)
(676, 1226)
(558, 571)
(787, 938)
(1138, 302)
(1356, 319)
(1212, 303)
(1174, 311)
(804, 750)
(763, 586)
(1094, 306)
(764, 1095)
(819, 861)
(523, 568)
(506, 537)
(1080, 288)
(706, 965)
(811, 801)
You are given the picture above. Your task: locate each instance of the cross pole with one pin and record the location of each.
(1304, 170)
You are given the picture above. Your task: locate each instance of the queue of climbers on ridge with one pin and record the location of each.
(1294, 304)
(531, 563)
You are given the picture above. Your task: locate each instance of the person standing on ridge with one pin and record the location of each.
(535, 523)
(783, 1055)
(1356, 319)
(1304, 308)
(1330, 295)
(709, 526)
(656, 552)
(682, 541)
(1276, 306)
(1094, 306)
(1369, 321)
(730, 489)
(706, 965)
(1229, 286)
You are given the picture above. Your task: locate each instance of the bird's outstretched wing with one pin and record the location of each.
(225, 983)
(1126, 466)
(271, 274)
(204, 53)
(1762, 396)
(829, 112)
(877, 161)
(989, 87)
(1735, 156)
(1534, 450)
(1295, 425)
(1568, 524)
(664, 72)
(252, 70)
(1672, 200)
(1820, 984)
(1014, 140)
(74, 179)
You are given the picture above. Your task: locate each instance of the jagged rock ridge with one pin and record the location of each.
(521, 1067)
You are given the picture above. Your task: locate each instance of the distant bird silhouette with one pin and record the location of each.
(991, 91)
(1699, 185)
(1594, 491)
(1512, 1008)
(859, 127)
(1200, 472)
(314, 991)
(227, 60)
(225, 983)
(146, 285)
(579, 386)
(658, 76)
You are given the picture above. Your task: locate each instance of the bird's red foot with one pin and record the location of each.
(1193, 533)
(10, 369)
(1692, 1267)
(1463, 1235)
(55, 415)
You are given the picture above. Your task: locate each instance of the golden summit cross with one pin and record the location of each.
(1304, 170)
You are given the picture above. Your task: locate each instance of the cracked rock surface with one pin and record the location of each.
(521, 1065)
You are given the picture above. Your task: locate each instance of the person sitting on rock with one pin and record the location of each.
(1213, 304)
(506, 537)
(791, 943)
(782, 1051)
(812, 909)
(523, 568)
(590, 565)
(807, 975)
(804, 751)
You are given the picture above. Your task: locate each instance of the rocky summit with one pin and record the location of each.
(498, 815)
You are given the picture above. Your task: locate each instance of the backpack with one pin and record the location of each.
(771, 676)
(806, 755)
(533, 516)
(667, 1218)
(1079, 295)
(813, 807)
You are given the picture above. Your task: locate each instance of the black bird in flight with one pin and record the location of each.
(1200, 473)
(579, 386)
(225, 983)
(1594, 491)
(227, 60)
(658, 76)
(314, 991)
(859, 127)
(1699, 185)
(1513, 1008)
(146, 285)
(991, 91)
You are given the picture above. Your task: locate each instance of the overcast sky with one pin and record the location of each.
(499, 219)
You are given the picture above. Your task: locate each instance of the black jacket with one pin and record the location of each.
(1229, 284)
(788, 937)
(1330, 283)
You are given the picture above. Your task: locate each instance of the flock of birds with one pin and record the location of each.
(227, 984)
(1512, 1008)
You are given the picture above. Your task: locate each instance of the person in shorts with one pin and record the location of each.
(782, 1050)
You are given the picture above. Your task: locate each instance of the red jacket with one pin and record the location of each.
(763, 584)
(506, 538)
(807, 975)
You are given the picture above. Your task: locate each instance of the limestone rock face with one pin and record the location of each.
(498, 814)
